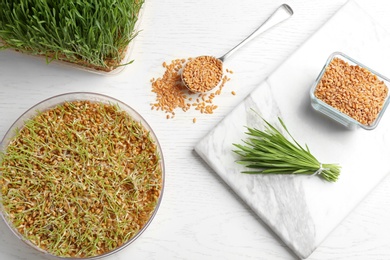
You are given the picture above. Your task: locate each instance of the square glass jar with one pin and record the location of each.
(336, 114)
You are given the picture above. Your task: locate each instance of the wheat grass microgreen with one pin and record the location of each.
(80, 179)
(270, 152)
(90, 33)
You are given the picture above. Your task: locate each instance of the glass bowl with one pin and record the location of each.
(336, 114)
(49, 105)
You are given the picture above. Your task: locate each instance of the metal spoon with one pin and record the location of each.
(281, 14)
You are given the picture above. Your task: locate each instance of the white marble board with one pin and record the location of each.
(303, 210)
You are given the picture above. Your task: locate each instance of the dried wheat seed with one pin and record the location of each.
(171, 94)
(353, 90)
(203, 73)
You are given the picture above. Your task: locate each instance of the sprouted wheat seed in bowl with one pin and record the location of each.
(80, 179)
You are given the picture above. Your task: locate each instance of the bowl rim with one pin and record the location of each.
(80, 96)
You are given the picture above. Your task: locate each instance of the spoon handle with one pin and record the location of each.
(282, 13)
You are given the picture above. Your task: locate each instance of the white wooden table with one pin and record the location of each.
(200, 218)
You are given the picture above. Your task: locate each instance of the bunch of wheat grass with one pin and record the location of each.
(270, 151)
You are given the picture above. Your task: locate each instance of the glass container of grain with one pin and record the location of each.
(350, 92)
